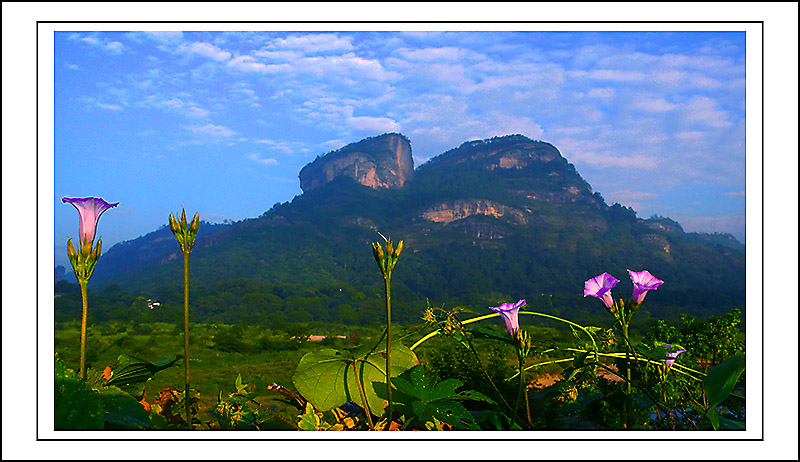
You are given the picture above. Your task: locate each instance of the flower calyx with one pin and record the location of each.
(386, 255)
(185, 233)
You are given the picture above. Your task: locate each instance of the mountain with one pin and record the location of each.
(489, 221)
(380, 162)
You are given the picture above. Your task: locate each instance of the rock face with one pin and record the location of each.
(380, 162)
(446, 212)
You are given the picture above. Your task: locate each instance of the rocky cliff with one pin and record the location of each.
(448, 211)
(380, 162)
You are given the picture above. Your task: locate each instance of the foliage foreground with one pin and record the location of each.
(456, 372)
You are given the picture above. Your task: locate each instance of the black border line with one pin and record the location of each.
(434, 440)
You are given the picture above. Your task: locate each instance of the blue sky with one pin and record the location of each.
(222, 122)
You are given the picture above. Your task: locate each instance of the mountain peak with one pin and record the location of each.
(504, 152)
(378, 162)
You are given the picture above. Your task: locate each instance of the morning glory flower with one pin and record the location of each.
(642, 282)
(669, 362)
(510, 315)
(600, 287)
(89, 211)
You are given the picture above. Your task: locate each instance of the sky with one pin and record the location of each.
(222, 122)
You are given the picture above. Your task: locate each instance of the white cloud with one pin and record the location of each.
(205, 49)
(265, 161)
(690, 135)
(378, 124)
(348, 63)
(314, 43)
(211, 130)
(113, 47)
(164, 37)
(704, 110)
(434, 54)
(277, 145)
(285, 55)
(653, 105)
(246, 63)
(630, 198)
(175, 104)
(617, 75)
(96, 103)
(601, 93)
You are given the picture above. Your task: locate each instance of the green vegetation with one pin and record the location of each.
(305, 251)
(265, 291)
(220, 352)
(262, 356)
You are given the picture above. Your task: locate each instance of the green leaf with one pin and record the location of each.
(730, 424)
(130, 373)
(721, 379)
(122, 411)
(655, 353)
(420, 397)
(76, 405)
(327, 377)
(714, 417)
(309, 420)
(473, 395)
(453, 413)
(493, 420)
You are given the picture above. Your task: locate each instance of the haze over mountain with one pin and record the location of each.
(489, 221)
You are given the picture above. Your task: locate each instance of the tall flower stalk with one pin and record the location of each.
(185, 233)
(600, 287)
(510, 314)
(85, 258)
(386, 255)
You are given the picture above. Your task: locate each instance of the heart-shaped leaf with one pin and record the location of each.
(328, 378)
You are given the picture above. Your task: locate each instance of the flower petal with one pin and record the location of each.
(89, 211)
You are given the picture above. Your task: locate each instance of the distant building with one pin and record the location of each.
(152, 303)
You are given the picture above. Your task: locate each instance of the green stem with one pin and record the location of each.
(85, 302)
(629, 394)
(556, 318)
(675, 367)
(486, 373)
(186, 338)
(387, 284)
(521, 386)
(367, 412)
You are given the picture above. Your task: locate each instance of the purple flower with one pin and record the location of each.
(89, 211)
(510, 314)
(600, 287)
(669, 362)
(642, 282)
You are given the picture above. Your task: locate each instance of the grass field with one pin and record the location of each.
(262, 356)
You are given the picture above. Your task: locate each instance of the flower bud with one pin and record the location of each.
(195, 225)
(524, 342)
(173, 225)
(398, 250)
(377, 251)
(72, 253)
(97, 249)
(183, 219)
